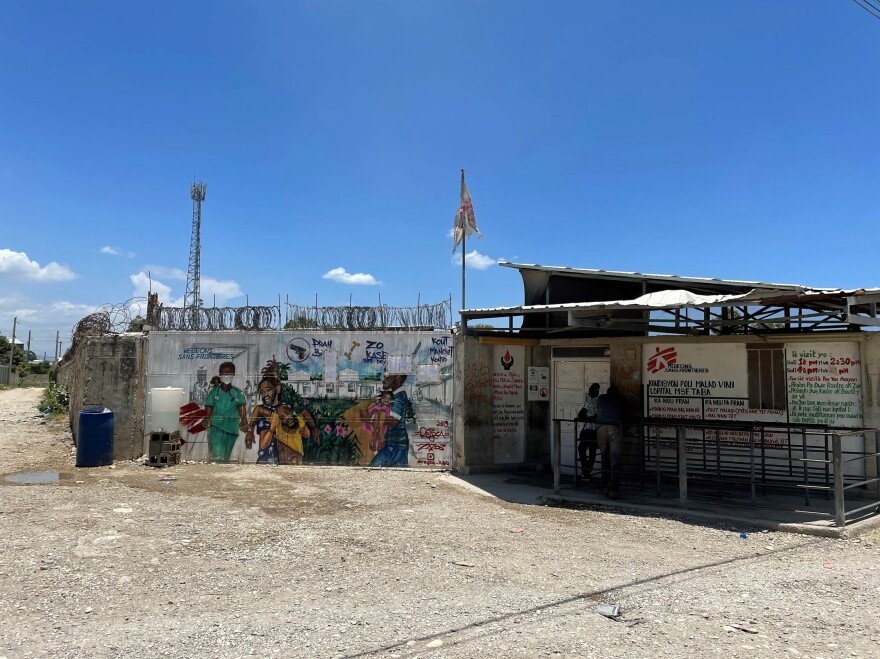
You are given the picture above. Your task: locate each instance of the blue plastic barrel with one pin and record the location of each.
(94, 442)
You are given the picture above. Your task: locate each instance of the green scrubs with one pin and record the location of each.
(224, 421)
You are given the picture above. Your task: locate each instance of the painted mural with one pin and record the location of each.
(345, 398)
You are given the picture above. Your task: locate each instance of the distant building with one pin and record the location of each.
(18, 342)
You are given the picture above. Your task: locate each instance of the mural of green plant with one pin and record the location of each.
(335, 443)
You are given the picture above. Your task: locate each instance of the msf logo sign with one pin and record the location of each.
(661, 359)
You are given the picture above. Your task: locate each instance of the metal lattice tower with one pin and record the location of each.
(192, 298)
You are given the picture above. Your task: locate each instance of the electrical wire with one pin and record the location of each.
(869, 7)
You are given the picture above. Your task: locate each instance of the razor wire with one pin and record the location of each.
(216, 318)
(117, 318)
(434, 316)
(107, 319)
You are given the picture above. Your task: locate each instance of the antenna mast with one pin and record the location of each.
(192, 299)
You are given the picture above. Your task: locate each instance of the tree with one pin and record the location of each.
(19, 358)
(40, 368)
(301, 323)
(137, 325)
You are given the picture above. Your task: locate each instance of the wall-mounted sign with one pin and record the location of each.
(539, 383)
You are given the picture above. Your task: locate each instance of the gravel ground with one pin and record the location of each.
(228, 561)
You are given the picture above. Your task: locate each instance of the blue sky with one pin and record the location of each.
(736, 140)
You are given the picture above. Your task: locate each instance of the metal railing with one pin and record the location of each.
(765, 458)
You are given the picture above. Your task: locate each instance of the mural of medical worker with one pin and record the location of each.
(396, 450)
(225, 414)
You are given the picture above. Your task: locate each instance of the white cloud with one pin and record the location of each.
(71, 310)
(19, 266)
(165, 272)
(210, 289)
(115, 251)
(143, 284)
(42, 320)
(223, 290)
(475, 260)
(343, 277)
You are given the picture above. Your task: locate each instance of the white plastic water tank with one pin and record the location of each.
(165, 405)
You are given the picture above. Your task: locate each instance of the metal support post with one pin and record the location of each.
(657, 458)
(557, 456)
(806, 469)
(754, 499)
(681, 436)
(839, 502)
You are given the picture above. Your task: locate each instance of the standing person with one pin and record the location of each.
(610, 413)
(225, 414)
(395, 453)
(587, 442)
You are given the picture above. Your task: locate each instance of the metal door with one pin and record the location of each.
(571, 379)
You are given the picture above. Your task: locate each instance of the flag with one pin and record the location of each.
(465, 223)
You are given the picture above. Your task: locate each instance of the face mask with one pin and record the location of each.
(226, 379)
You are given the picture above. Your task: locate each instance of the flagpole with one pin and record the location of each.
(463, 257)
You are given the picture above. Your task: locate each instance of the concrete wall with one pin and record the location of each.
(473, 405)
(474, 410)
(472, 416)
(871, 398)
(538, 415)
(109, 371)
(871, 379)
(626, 375)
(5, 379)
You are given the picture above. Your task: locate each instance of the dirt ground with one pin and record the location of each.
(230, 561)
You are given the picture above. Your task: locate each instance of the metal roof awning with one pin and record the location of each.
(758, 309)
(614, 275)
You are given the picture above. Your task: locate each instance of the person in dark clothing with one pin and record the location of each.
(609, 434)
(587, 444)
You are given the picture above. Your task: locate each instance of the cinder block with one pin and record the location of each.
(159, 437)
(161, 460)
(165, 458)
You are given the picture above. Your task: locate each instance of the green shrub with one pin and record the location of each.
(56, 399)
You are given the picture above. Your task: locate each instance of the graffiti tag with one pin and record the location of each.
(319, 346)
(375, 352)
(432, 433)
(477, 382)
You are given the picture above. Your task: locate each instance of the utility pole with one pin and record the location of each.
(12, 349)
(28, 351)
(57, 343)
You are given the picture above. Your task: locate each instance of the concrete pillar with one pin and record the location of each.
(626, 375)
(472, 412)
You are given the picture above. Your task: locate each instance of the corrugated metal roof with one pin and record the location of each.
(638, 276)
(677, 299)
